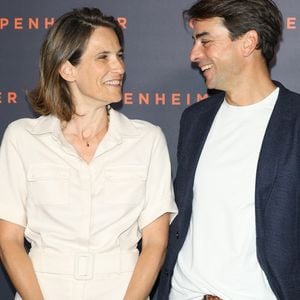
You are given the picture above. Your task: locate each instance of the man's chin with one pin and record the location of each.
(210, 85)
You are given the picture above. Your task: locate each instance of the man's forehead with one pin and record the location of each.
(192, 23)
(199, 29)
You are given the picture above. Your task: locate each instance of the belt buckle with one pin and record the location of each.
(209, 297)
(84, 266)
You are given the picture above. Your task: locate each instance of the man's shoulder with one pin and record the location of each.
(286, 93)
(288, 103)
(293, 96)
(205, 105)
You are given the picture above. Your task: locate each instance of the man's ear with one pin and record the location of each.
(67, 71)
(250, 41)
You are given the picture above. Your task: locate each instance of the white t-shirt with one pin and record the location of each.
(219, 253)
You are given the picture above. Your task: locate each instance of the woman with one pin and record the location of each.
(82, 182)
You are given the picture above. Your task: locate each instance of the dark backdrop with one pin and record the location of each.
(160, 82)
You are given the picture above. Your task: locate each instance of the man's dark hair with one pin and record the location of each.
(240, 16)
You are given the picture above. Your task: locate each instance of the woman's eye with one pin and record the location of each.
(102, 57)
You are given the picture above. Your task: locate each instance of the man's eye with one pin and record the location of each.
(204, 43)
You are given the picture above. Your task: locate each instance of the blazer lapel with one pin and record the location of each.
(200, 122)
(274, 145)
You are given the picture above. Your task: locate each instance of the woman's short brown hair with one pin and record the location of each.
(65, 41)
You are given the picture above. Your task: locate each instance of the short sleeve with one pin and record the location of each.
(12, 181)
(159, 187)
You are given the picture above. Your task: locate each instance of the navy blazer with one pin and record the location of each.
(277, 191)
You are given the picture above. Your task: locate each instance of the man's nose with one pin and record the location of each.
(196, 53)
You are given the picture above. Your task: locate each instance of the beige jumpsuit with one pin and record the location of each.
(84, 220)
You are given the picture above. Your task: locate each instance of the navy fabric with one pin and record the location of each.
(277, 199)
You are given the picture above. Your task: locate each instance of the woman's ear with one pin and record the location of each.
(250, 41)
(67, 71)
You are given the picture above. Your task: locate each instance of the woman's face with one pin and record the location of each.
(98, 78)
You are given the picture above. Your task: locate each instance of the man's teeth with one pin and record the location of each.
(206, 67)
(113, 82)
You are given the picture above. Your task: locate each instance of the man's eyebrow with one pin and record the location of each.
(197, 36)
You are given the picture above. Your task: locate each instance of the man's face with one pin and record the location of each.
(216, 54)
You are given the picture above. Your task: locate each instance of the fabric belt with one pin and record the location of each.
(211, 297)
(83, 265)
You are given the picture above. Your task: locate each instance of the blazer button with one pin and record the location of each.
(177, 235)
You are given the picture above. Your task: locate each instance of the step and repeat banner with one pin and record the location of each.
(160, 81)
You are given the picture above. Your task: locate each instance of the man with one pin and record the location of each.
(237, 235)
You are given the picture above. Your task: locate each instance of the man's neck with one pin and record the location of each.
(250, 91)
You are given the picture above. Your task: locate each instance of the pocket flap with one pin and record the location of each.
(47, 171)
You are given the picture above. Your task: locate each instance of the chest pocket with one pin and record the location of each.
(124, 184)
(48, 184)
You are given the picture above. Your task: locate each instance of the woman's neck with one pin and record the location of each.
(84, 132)
(87, 124)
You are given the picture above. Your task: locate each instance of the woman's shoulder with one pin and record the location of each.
(22, 126)
(138, 125)
(145, 125)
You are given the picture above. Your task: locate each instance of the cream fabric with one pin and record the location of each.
(69, 207)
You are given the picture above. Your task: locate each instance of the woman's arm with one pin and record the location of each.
(155, 239)
(16, 261)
